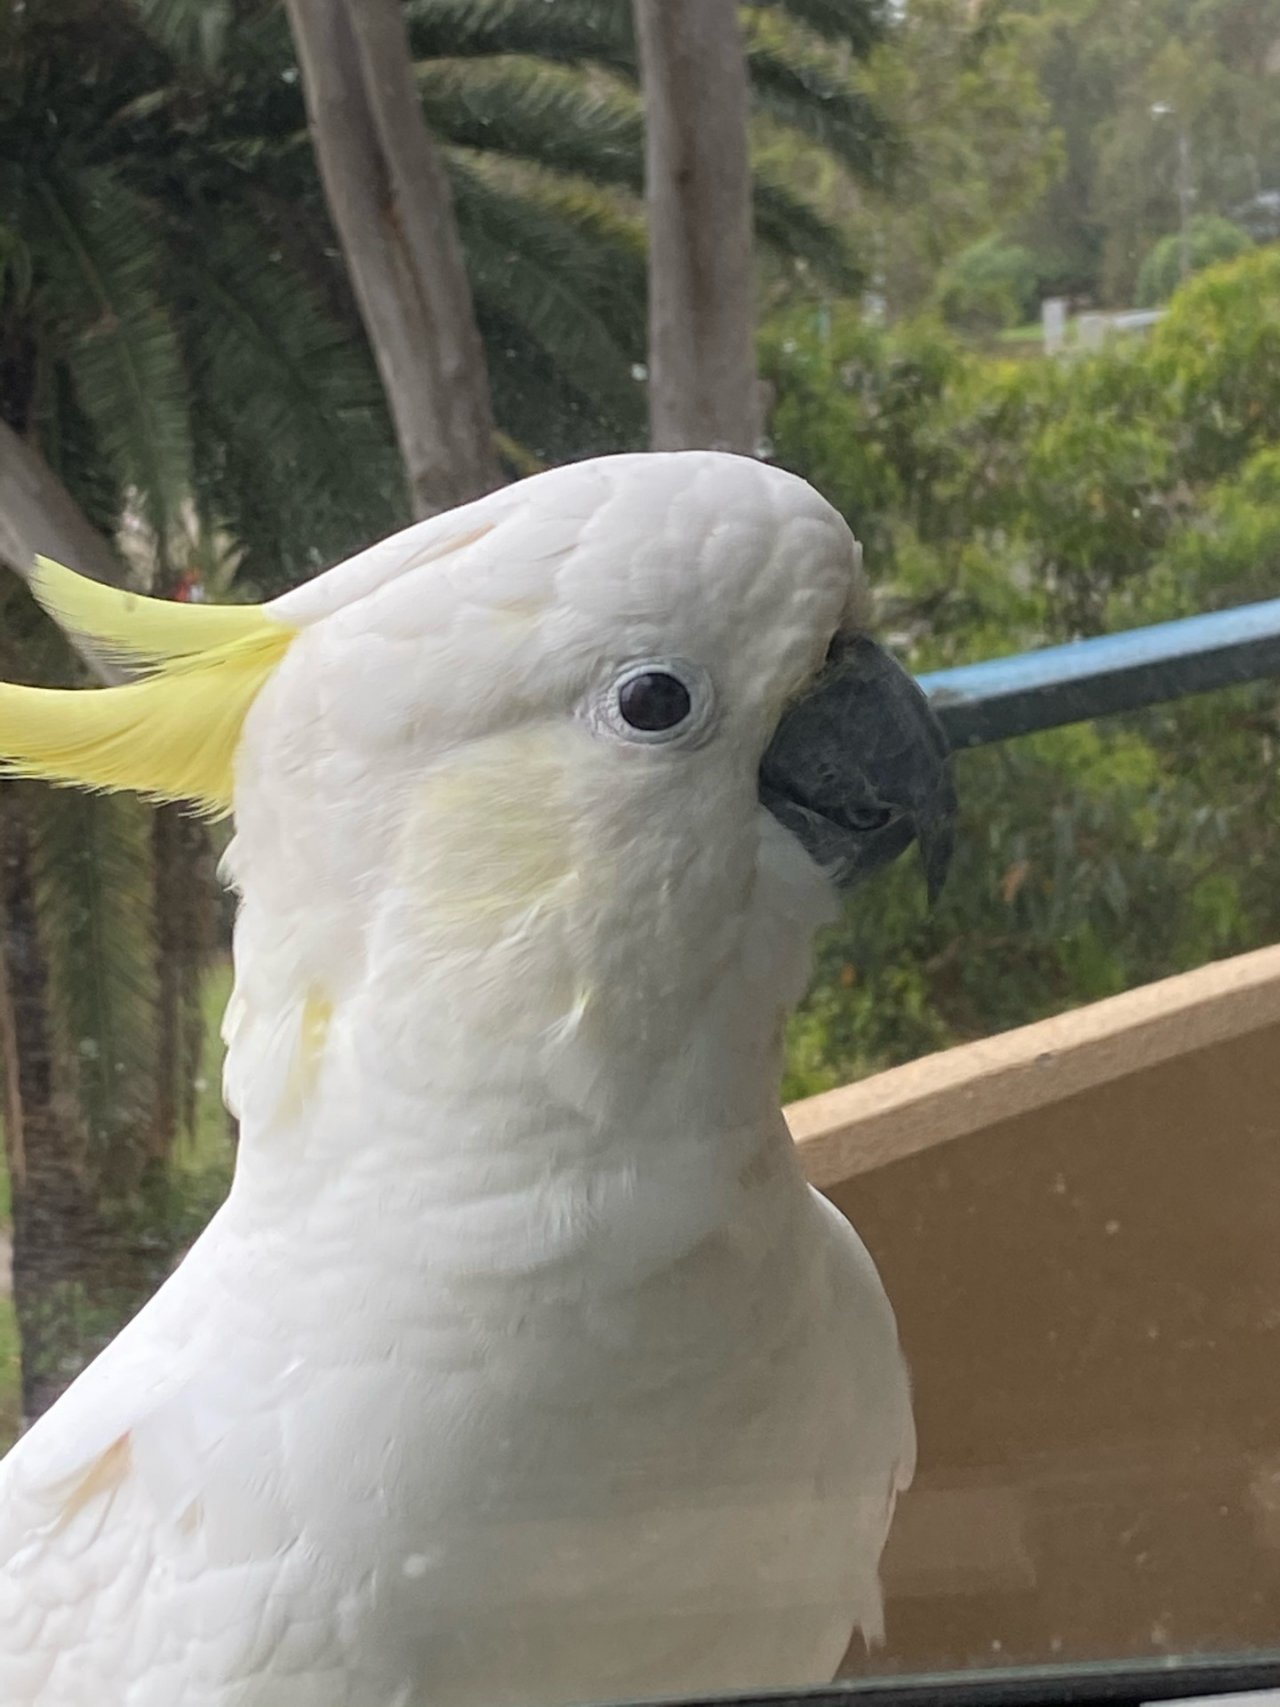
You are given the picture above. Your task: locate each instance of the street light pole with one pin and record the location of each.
(1186, 189)
(1184, 201)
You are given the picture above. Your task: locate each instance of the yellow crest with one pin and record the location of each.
(171, 735)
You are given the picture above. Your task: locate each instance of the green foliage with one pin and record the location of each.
(978, 143)
(587, 336)
(1209, 239)
(98, 256)
(1076, 128)
(1147, 93)
(1216, 355)
(538, 112)
(165, 329)
(1089, 861)
(854, 24)
(1012, 505)
(805, 84)
(174, 320)
(853, 408)
(293, 456)
(1228, 551)
(989, 286)
(552, 94)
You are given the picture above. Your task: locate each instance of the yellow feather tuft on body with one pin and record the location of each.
(308, 1058)
(171, 736)
(102, 1480)
(133, 627)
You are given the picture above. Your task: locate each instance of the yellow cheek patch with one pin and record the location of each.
(172, 735)
(492, 834)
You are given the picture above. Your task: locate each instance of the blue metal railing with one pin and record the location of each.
(1003, 697)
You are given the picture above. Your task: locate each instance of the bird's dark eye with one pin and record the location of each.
(653, 701)
(867, 818)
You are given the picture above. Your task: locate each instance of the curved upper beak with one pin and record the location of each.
(859, 768)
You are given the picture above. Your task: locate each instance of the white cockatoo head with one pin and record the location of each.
(562, 775)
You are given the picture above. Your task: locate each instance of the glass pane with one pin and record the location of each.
(411, 1294)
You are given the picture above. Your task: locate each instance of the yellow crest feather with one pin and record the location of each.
(172, 735)
(131, 626)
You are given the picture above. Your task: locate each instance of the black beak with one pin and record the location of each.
(859, 769)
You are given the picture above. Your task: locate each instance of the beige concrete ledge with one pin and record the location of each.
(850, 1131)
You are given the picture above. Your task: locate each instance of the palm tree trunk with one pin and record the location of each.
(703, 389)
(39, 516)
(389, 199)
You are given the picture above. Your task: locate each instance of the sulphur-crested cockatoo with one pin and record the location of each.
(521, 1365)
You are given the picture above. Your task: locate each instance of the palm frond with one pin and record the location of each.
(523, 107)
(71, 446)
(550, 116)
(76, 61)
(102, 265)
(574, 32)
(855, 24)
(804, 83)
(571, 32)
(797, 230)
(559, 261)
(546, 413)
(296, 455)
(222, 59)
(192, 30)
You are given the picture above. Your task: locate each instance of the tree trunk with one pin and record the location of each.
(389, 198)
(38, 516)
(703, 389)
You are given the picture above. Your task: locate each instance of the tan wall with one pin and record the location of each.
(1087, 1282)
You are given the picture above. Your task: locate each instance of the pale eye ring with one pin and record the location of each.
(656, 700)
